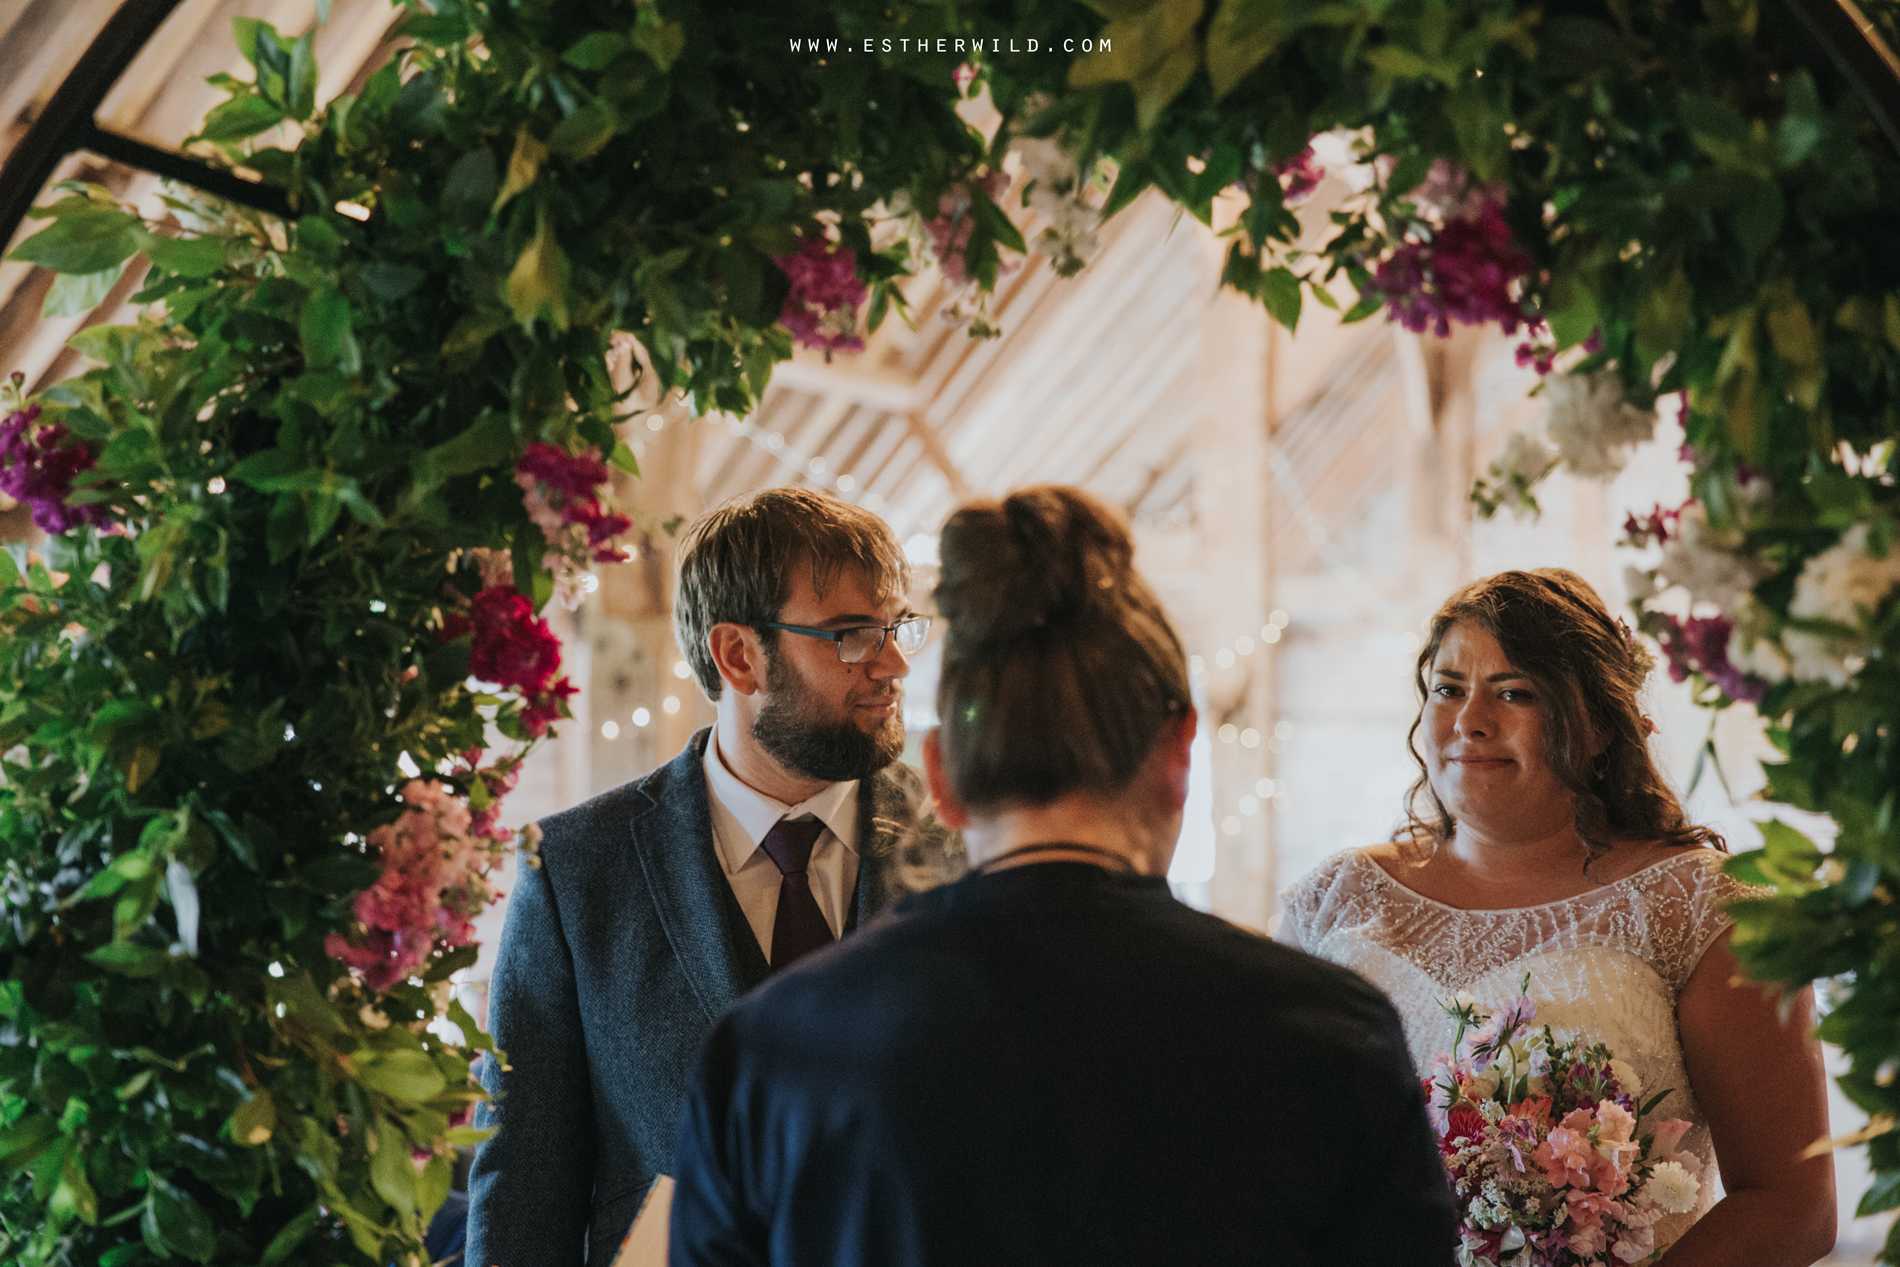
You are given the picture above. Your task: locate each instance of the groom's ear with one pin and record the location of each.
(950, 810)
(739, 656)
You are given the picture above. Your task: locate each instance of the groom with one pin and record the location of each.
(657, 904)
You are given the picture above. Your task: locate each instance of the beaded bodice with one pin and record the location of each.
(1608, 964)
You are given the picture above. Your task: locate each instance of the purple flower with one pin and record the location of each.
(1464, 272)
(1499, 1030)
(1655, 526)
(822, 309)
(1299, 176)
(36, 468)
(1700, 645)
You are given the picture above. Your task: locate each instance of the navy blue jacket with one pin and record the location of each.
(617, 955)
(1055, 1066)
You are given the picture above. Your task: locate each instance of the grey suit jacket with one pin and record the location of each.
(618, 953)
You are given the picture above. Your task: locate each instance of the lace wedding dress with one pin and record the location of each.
(1608, 964)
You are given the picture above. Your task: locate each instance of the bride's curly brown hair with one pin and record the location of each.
(1589, 674)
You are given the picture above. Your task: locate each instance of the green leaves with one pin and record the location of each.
(23, 1142)
(409, 1076)
(324, 330)
(537, 286)
(1243, 34)
(86, 237)
(174, 1223)
(524, 164)
(1280, 292)
(254, 1120)
(1153, 49)
(1786, 859)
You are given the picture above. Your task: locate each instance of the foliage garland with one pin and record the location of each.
(342, 462)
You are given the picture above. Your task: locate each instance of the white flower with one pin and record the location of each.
(1526, 457)
(1844, 580)
(1055, 194)
(1814, 658)
(1708, 562)
(1592, 424)
(1751, 647)
(1843, 584)
(1627, 1078)
(1484, 1084)
(1673, 1188)
(1338, 152)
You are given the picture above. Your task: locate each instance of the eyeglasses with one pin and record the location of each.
(863, 642)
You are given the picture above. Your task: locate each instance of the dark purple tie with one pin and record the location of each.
(800, 926)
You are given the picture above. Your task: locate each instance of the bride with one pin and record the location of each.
(1543, 840)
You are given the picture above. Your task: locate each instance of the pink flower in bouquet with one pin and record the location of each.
(1668, 1138)
(822, 309)
(1567, 1155)
(1614, 1124)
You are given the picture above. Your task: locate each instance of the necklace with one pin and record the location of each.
(1118, 861)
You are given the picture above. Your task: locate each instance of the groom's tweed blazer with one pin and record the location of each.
(616, 956)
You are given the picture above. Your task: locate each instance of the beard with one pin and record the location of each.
(797, 730)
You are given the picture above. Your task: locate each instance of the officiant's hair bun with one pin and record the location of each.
(1060, 669)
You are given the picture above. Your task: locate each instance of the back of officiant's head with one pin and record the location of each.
(1060, 672)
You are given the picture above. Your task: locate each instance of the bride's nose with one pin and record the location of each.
(1473, 720)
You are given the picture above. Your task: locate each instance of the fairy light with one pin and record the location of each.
(682, 670)
(813, 466)
(671, 704)
(641, 717)
(609, 730)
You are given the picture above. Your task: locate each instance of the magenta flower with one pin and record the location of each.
(575, 477)
(1299, 176)
(822, 309)
(38, 468)
(1700, 645)
(560, 491)
(1463, 272)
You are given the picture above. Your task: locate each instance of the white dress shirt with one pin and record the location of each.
(742, 815)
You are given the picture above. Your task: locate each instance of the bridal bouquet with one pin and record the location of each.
(1550, 1156)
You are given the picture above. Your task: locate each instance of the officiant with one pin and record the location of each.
(782, 827)
(1052, 1061)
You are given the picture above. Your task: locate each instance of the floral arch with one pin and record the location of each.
(332, 477)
